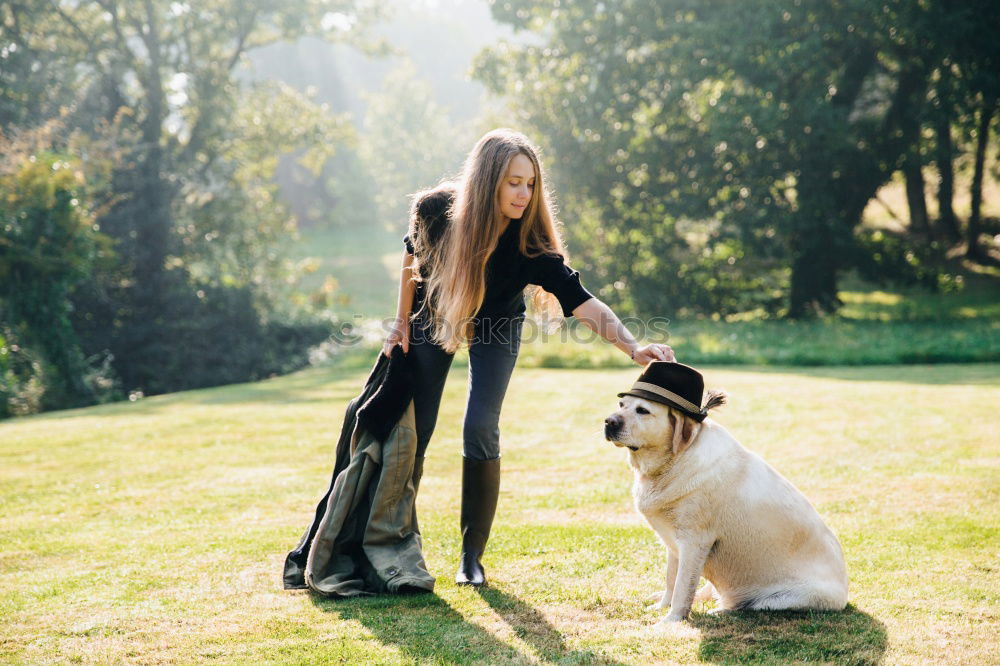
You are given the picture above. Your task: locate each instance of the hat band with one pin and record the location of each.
(669, 395)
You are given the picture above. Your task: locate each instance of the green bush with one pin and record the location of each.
(884, 257)
(21, 382)
(202, 336)
(48, 245)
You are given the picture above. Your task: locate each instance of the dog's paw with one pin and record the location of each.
(658, 600)
(706, 593)
(720, 611)
(674, 625)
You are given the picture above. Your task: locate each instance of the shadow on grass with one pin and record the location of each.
(531, 626)
(426, 627)
(423, 627)
(847, 637)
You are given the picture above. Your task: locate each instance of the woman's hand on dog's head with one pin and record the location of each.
(653, 352)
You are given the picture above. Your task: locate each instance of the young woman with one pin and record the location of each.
(471, 249)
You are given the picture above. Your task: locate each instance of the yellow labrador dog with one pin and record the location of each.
(721, 511)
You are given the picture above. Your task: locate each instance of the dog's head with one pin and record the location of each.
(641, 424)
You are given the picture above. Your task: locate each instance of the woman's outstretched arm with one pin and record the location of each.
(599, 318)
(400, 327)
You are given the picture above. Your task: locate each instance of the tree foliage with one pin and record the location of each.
(49, 244)
(410, 141)
(717, 154)
(191, 207)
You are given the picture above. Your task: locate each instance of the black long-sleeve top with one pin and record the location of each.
(508, 271)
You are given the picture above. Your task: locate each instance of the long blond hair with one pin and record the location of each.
(456, 279)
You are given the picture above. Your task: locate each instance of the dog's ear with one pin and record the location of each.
(682, 431)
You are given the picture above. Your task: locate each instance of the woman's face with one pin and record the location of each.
(517, 187)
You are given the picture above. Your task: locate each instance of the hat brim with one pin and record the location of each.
(647, 395)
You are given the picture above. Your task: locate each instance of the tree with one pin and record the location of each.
(763, 128)
(410, 142)
(191, 202)
(942, 117)
(48, 246)
(975, 52)
(33, 76)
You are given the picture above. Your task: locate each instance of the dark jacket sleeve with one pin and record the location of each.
(551, 273)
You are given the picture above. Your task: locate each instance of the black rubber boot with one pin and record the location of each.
(480, 489)
(418, 473)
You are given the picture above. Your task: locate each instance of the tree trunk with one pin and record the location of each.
(945, 151)
(827, 217)
(154, 231)
(912, 87)
(915, 192)
(813, 286)
(974, 252)
(946, 181)
(148, 342)
(817, 254)
(831, 207)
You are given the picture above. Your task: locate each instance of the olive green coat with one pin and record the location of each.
(364, 538)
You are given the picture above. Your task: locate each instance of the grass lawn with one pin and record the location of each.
(363, 259)
(155, 531)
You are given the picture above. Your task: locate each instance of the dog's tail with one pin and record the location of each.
(716, 398)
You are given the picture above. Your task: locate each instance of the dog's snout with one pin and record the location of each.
(612, 425)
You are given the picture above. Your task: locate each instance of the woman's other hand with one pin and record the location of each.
(653, 352)
(400, 335)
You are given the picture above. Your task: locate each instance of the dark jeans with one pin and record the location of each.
(492, 354)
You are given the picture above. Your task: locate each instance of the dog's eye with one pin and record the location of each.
(641, 410)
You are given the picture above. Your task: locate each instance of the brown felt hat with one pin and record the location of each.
(674, 384)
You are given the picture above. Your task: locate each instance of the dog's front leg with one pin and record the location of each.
(662, 600)
(690, 563)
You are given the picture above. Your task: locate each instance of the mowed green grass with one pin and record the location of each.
(155, 531)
